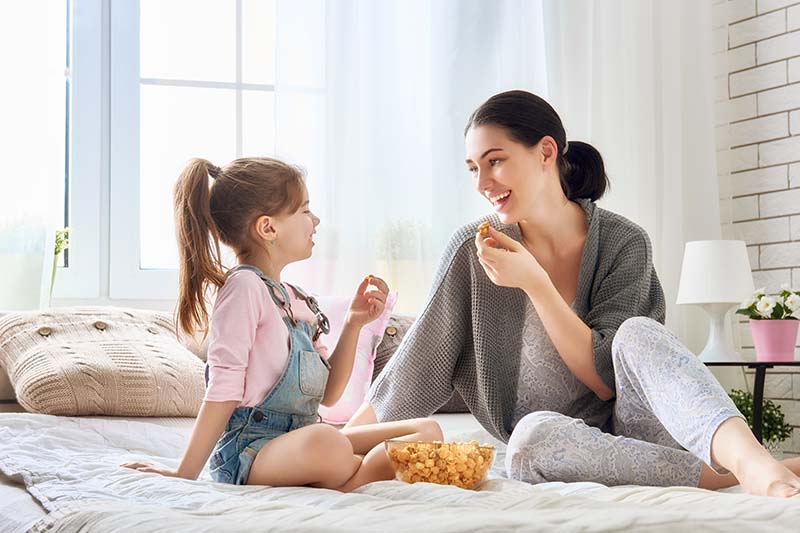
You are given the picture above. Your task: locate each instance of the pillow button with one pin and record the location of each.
(100, 325)
(391, 331)
(45, 331)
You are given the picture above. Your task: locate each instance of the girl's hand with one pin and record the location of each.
(147, 467)
(510, 265)
(367, 305)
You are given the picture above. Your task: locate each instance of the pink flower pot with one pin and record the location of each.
(774, 339)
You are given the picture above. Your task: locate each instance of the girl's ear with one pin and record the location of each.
(264, 229)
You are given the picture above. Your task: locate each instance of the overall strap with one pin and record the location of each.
(323, 325)
(278, 293)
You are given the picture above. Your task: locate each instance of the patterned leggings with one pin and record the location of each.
(667, 403)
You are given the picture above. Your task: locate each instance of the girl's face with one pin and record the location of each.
(294, 233)
(508, 174)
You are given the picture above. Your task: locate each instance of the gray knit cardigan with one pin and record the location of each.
(469, 335)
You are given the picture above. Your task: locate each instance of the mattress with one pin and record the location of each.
(78, 484)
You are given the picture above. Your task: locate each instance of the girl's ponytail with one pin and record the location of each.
(198, 246)
(583, 174)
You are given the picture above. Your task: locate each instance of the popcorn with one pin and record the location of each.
(463, 464)
(483, 229)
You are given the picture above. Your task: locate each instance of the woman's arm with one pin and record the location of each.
(208, 427)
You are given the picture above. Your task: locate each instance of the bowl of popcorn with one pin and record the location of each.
(463, 464)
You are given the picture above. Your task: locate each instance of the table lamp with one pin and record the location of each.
(716, 275)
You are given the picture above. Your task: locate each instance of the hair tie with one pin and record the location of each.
(213, 170)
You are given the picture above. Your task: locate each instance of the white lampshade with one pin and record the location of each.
(715, 272)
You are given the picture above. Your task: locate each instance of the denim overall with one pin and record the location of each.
(291, 404)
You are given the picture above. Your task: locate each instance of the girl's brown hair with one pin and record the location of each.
(222, 211)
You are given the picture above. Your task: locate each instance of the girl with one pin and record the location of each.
(555, 340)
(267, 370)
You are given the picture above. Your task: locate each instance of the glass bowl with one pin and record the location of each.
(462, 464)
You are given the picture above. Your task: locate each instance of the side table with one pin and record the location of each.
(758, 387)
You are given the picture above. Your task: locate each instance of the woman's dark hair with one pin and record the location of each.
(527, 118)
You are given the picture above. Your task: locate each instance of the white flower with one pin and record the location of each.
(785, 287)
(760, 292)
(765, 306)
(793, 302)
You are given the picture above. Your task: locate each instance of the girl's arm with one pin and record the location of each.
(365, 307)
(210, 423)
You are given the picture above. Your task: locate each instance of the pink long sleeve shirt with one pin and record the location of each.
(249, 341)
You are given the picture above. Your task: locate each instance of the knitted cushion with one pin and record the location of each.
(100, 361)
(396, 329)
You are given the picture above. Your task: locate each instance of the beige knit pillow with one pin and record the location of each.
(100, 361)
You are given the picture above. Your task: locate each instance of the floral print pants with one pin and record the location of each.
(667, 409)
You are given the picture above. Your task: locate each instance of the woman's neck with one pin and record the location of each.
(553, 224)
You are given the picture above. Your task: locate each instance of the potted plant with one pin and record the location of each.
(773, 322)
(62, 243)
(774, 429)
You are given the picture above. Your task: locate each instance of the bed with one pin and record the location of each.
(62, 474)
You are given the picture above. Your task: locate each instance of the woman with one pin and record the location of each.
(551, 330)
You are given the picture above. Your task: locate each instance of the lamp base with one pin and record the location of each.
(719, 348)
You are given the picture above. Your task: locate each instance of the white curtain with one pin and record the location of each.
(393, 83)
(634, 78)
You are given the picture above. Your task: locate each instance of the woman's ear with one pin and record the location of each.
(264, 229)
(549, 149)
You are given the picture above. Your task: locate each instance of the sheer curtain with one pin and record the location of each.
(381, 134)
(634, 78)
(372, 98)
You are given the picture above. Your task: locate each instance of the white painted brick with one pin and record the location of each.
(742, 58)
(753, 255)
(796, 387)
(759, 130)
(744, 158)
(794, 122)
(791, 411)
(775, 385)
(794, 70)
(796, 282)
(722, 137)
(793, 18)
(772, 279)
(778, 152)
(771, 5)
(794, 225)
(760, 180)
(745, 334)
(780, 47)
(780, 203)
(756, 29)
(719, 15)
(722, 113)
(780, 255)
(719, 39)
(763, 231)
(758, 79)
(794, 175)
(745, 208)
(780, 99)
(723, 164)
(741, 9)
(792, 444)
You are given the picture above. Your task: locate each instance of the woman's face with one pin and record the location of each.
(509, 175)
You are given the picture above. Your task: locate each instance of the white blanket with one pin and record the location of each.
(71, 465)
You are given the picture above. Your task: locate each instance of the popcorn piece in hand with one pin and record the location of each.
(483, 229)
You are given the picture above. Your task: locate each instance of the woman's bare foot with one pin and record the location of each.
(764, 476)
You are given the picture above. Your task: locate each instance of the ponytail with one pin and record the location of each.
(583, 174)
(198, 246)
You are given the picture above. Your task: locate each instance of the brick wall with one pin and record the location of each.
(757, 47)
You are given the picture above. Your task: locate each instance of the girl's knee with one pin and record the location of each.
(428, 429)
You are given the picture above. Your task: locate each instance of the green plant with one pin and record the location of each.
(774, 427)
(62, 243)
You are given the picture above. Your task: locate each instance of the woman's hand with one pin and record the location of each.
(508, 263)
(148, 467)
(367, 305)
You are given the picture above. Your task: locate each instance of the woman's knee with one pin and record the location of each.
(527, 445)
(631, 333)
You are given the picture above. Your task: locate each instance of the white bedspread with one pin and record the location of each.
(70, 465)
